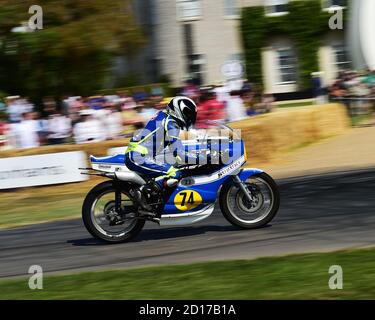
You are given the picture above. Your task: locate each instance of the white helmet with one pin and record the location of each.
(184, 110)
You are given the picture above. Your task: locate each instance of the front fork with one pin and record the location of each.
(237, 181)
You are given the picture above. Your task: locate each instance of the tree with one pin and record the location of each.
(73, 52)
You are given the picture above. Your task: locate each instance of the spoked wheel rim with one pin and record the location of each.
(251, 213)
(103, 208)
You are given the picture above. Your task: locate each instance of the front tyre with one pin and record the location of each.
(101, 219)
(239, 211)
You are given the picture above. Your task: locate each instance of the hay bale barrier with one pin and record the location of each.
(264, 135)
(267, 135)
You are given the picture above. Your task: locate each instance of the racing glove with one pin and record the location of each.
(174, 173)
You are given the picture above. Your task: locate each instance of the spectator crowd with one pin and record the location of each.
(82, 120)
(356, 90)
(353, 84)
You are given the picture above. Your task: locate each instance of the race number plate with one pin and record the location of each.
(187, 200)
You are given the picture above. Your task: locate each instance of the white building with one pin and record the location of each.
(194, 38)
(279, 57)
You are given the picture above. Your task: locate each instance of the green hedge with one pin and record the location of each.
(305, 24)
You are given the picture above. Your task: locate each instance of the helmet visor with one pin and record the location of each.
(190, 117)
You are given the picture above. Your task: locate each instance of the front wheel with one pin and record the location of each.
(241, 212)
(101, 219)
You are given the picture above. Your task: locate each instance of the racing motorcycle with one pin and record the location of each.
(248, 198)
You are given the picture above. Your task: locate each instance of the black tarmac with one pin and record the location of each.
(318, 213)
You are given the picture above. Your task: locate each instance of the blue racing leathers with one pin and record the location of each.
(160, 135)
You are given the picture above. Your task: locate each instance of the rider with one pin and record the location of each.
(161, 132)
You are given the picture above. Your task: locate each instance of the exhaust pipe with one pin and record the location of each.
(126, 176)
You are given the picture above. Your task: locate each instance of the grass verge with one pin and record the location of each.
(362, 119)
(295, 104)
(291, 277)
(42, 204)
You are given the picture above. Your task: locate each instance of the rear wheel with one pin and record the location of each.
(241, 212)
(101, 219)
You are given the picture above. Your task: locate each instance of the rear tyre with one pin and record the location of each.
(98, 214)
(238, 210)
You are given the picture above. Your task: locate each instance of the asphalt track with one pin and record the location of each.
(318, 213)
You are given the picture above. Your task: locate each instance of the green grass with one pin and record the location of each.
(362, 119)
(295, 104)
(290, 277)
(42, 204)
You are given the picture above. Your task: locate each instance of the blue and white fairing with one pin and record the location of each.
(195, 197)
(109, 164)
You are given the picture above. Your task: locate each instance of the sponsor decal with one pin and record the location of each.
(35, 172)
(103, 166)
(236, 164)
